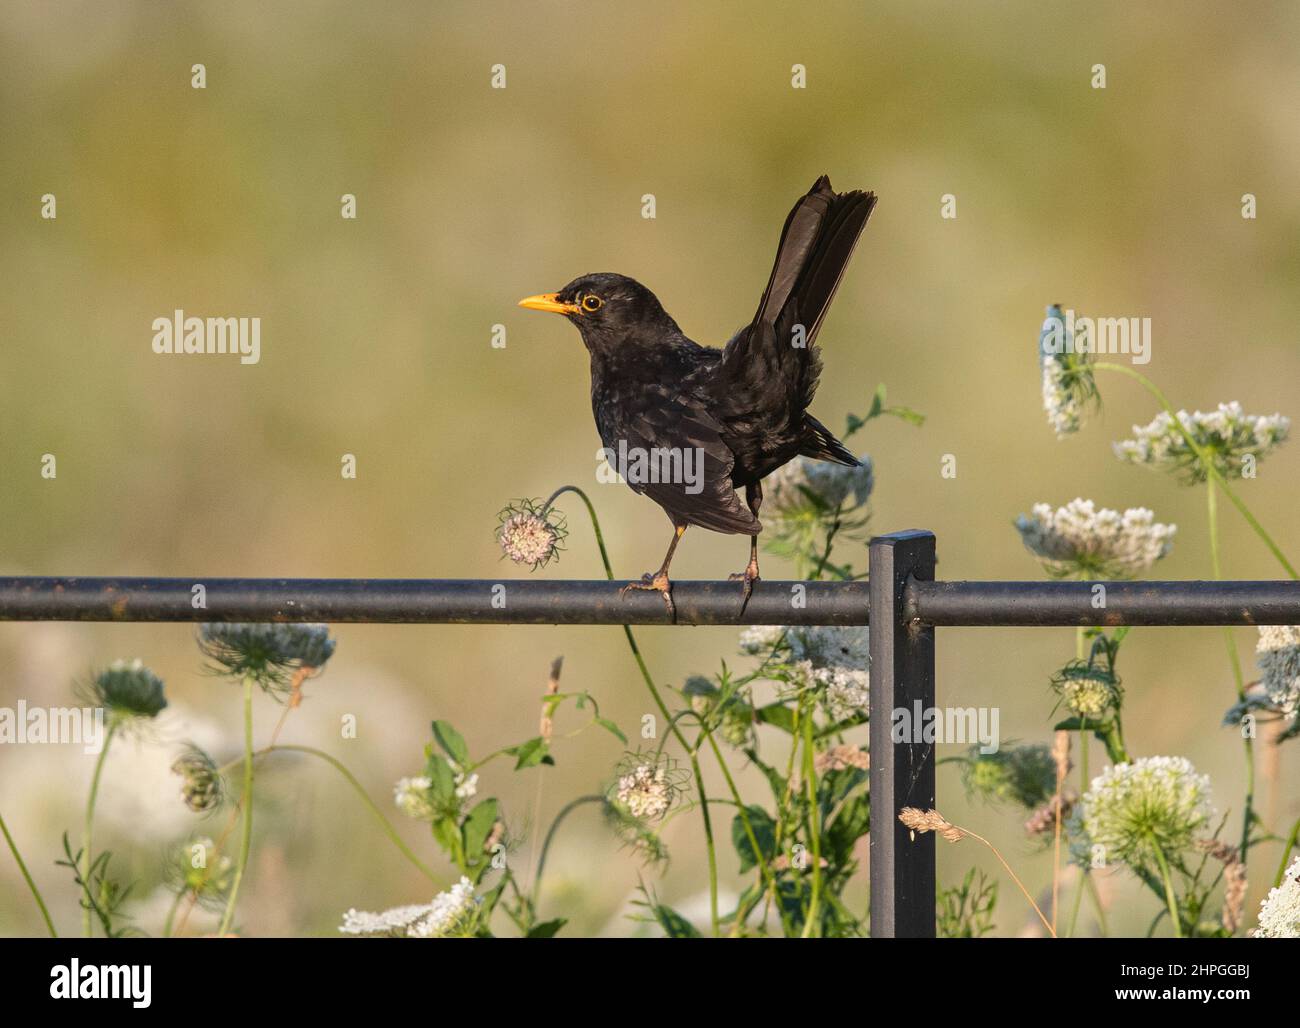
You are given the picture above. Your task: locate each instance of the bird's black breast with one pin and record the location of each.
(655, 401)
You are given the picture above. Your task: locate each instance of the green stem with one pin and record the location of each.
(1074, 907)
(1170, 899)
(743, 812)
(1212, 510)
(546, 846)
(1291, 841)
(36, 893)
(87, 833)
(663, 707)
(1207, 462)
(387, 825)
(171, 912)
(814, 828)
(246, 801)
(1097, 904)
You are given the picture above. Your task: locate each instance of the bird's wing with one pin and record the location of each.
(816, 244)
(680, 435)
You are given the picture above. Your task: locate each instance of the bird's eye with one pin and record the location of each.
(591, 302)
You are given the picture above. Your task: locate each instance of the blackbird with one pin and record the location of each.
(689, 425)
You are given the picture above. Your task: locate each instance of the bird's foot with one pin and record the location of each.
(749, 576)
(655, 583)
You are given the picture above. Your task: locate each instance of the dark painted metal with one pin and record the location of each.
(426, 601)
(1105, 603)
(902, 772)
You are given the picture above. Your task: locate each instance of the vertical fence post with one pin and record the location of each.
(902, 773)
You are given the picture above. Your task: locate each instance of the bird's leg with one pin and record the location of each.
(753, 497)
(658, 581)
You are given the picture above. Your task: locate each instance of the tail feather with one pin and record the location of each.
(816, 243)
(820, 444)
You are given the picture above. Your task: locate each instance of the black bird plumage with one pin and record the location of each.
(743, 408)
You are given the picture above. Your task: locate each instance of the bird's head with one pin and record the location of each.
(606, 308)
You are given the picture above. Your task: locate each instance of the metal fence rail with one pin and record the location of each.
(907, 602)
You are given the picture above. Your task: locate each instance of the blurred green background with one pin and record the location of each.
(376, 341)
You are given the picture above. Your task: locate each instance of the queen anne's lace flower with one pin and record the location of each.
(786, 490)
(1025, 775)
(1278, 656)
(758, 640)
(645, 792)
(447, 915)
(414, 797)
(529, 533)
(128, 691)
(1068, 381)
(1133, 810)
(1080, 539)
(1279, 913)
(1235, 441)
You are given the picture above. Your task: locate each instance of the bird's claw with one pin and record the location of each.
(657, 583)
(749, 576)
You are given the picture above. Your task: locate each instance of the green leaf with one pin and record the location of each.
(850, 824)
(477, 827)
(764, 832)
(673, 924)
(443, 779)
(612, 728)
(452, 742)
(446, 834)
(531, 753)
(777, 714)
(547, 929)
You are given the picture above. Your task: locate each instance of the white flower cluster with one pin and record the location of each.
(1067, 381)
(1061, 404)
(758, 640)
(1233, 438)
(1278, 656)
(645, 792)
(840, 660)
(445, 916)
(413, 797)
(1079, 538)
(833, 484)
(1279, 913)
(1134, 809)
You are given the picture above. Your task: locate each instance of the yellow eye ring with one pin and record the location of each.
(591, 302)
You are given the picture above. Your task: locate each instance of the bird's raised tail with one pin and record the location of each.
(820, 444)
(777, 348)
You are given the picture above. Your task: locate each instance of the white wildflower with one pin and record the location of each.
(830, 647)
(645, 792)
(1279, 913)
(758, 640)
(1080, 539)
(1068, 382)
(531, 534)
(1234, 440)
(414, 797)
(447, 915)
(1133, 810)
(786, 491)
(1278, 656)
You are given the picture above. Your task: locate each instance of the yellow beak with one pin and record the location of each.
(547, 302)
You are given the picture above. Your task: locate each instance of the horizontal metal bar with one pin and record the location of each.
(513, 601)
(1104, 603)
(426, 601)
